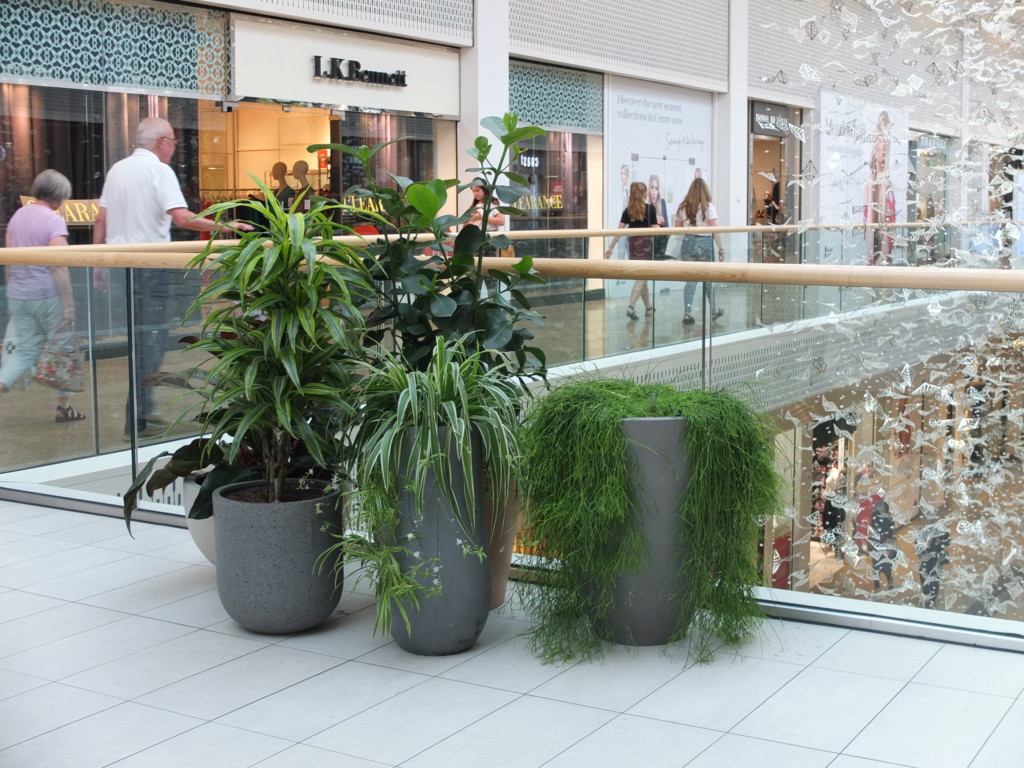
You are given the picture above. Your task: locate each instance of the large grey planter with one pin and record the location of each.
(266, 556)
(450, 621)
(648, 603)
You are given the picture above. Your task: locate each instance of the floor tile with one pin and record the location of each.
(42, 522)
(99, 740)
(783, 717)
(624, 739)
(717, 695)
(13, 683)
(200, 610)
(14, 604)
(314, 705)
(845, 761)
(154, 668)
(349, 636)
(734, 751)
(975, 669)
(496, 631)
(792, 641)
(238, 683)
(42, 709)
(1005, 746)
(145, 539)
(179, 581)
(93, 647)
(873, 653)
(52, 624)
(304, 756)
(208, 746)
(97, 529)
(930, 727)
(372, 734)
(509, 666)
(183, 552)
(638, 673)
(71, 562)
(25, 548)
(128, 570)
(553, 726)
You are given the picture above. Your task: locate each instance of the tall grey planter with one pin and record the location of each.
(648, 603)
(451, 620)
(266, 558)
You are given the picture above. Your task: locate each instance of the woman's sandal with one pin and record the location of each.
(68, 414)
(631, 313)
(688, 319)
(649, 311)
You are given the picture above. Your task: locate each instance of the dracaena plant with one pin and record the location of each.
(284, 330)
(429, 285)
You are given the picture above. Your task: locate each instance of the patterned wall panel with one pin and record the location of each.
(116, 44)
(686, 42)
(553, 97)
(901, 54)
(446, 22)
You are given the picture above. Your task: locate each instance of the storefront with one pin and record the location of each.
(928, 188)
(563, 166)
(775, 156)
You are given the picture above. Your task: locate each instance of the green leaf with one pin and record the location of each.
(417, 284)
(442, 306)
(423, 199)
(493, 125)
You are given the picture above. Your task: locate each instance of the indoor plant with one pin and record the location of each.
(284, 332)
(419, 529)
(581, 512)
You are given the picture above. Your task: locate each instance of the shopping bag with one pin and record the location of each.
(60, 366)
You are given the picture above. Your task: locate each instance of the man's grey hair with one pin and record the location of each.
(52, 187)
(150, 130)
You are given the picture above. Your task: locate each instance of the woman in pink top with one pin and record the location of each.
(39, 299)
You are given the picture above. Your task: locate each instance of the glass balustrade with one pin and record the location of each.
(899, 415)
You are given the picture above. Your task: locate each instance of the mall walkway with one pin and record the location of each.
(116, 651)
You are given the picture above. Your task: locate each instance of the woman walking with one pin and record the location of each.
(639, 213)
(697, 210)
(39, 299)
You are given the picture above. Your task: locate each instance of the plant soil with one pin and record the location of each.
(258, 494)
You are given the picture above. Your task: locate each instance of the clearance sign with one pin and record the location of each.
(81, 212)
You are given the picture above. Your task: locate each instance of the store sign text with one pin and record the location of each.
(351, 70)
(539, 203)
(73, 211)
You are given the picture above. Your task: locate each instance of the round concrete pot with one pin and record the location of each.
(451, 620)
(647, 604)
(266, 560)
(201, 530)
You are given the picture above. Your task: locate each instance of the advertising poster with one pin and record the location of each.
(864, 176)
(659, 135)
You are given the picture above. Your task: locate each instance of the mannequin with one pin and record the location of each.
(300, 171)
(284, 193)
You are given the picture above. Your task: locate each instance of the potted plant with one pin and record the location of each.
(648, 524)
(284, 338)
(419, 529)
(429, 300)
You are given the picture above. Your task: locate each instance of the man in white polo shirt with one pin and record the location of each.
(141, 199)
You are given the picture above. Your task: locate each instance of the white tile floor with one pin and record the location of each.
(116, 651)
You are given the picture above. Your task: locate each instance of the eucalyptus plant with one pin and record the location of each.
(418, 420)
(284, 330)
(580, 510)
(429, 285)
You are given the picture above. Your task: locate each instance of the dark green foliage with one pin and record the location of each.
(283, 331)
(579, 509)
(422, 297)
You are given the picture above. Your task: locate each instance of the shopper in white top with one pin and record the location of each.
(697, 210)
(140, 202)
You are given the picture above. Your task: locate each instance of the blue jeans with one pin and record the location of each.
(33, 322)
(697, 248)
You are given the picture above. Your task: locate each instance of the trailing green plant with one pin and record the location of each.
(285, 333)
(428, 285)
(420, 419)
(576, 474)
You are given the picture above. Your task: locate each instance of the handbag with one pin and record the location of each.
(674, 247)
(640, 247)
(60, 366)
(507, 253)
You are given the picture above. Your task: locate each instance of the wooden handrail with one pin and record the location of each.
(176, 255)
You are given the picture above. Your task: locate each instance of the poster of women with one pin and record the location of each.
(863, 186)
